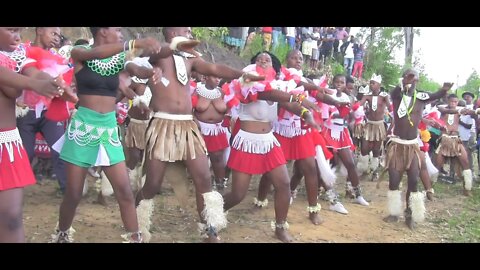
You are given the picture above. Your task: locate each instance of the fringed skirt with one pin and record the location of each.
(215, 136)
(450, 146)
(253, 153)
(135, 134)
(401, 153)
(358, 131)
(172, 137)
(337, 139)
(375, 131)
(297, 147)
(15, 169)
(91, 139)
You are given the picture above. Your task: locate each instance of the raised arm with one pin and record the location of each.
(441, 92)
(149, 45)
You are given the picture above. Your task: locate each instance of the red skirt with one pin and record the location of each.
(297, 147)
(216, 142)
(318, 139)
(255, 153)
(18, 172)
(345, 140)
(255, 163)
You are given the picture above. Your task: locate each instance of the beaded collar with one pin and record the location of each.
(19, 55)
(207, 93)
(108, 66)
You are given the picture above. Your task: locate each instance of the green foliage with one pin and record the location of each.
(380, 43)
(281, 51)
(472, 84)
(335, 67)
(426, 84)
(253, 48)
(210, 34)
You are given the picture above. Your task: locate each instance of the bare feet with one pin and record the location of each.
(283, 235)
(391, 219)
(212, 239)
(315, 218)
(410, 223)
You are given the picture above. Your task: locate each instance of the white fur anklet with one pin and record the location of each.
(144, 216)
(467, 178)
(314, 209)
(417, 204)
(394, 203)
(213, 210)
(260, 204)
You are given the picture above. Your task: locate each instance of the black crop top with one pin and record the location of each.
(92, 83)
(100, 77)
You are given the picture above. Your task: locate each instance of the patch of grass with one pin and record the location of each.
(463, 226)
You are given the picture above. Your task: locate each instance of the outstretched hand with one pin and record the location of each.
(252, 77)
(308, 117)
(149, 45)
(310, 105)
(157, 75)
(48, 88)
(447, 86)
(65, 92)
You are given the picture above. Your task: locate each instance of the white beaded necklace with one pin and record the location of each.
(207, 93)
(19, 56)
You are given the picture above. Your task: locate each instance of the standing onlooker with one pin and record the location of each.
(466, 126)
(358, 54)
(41, 49)
(326, 48)
(277, 36)
(290, 33)
(340, 34)
(347, 50)
(267, 37)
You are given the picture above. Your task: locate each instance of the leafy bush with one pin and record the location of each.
(210, 34)
(253, 48)
(281, 51)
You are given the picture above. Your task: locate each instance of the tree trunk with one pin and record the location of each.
(408, 45)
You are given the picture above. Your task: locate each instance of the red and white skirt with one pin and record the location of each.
(254, 153)
(15, 169)
(214, 135)
(338, 138)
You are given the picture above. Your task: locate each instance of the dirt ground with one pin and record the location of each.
(96, 223)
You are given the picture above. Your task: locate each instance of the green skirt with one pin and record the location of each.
(92, 139)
